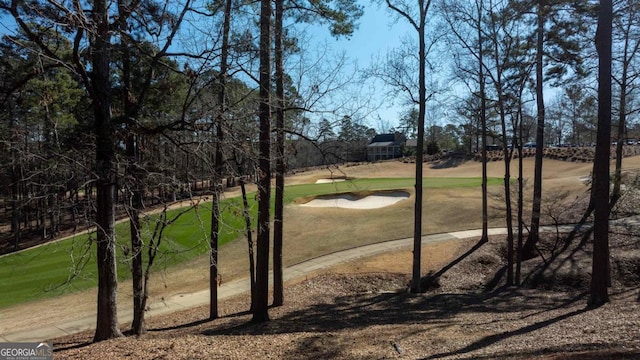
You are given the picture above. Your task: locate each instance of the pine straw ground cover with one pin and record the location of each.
(355, 313)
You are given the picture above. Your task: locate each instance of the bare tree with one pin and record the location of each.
(465, 19)
(218, 162)
(416, 15)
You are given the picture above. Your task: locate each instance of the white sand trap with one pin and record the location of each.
(349, 201)
(585, 179)
(326, 181)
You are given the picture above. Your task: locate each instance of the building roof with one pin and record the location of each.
(381, 144)
(383, 138)
(394, 139)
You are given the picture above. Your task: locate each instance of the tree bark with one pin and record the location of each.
(107, 311)
(247, 222)
(502, 111)
(528, 250)
(218, 161)
(134, 205)
(600, 266)
(507, 188)
(278, 223)
(417, 212)
(520, 186)
(483, 131)
(261, 306)
(135, 208)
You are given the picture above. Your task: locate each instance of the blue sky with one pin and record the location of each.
(378, 32)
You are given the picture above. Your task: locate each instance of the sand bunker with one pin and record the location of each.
(326, 181)
(585, 179)
(350, 201)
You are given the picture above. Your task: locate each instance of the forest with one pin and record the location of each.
(112, 110)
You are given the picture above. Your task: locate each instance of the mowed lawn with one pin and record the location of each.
(69, 265)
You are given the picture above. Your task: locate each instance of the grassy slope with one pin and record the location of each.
(47, 271)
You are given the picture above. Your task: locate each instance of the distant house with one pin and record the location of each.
(385, 146)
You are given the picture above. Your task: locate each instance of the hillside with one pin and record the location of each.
(363, 311)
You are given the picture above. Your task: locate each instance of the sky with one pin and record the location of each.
(378, 32)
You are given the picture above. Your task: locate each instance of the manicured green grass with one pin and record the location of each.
(296, 191)
(70, 265)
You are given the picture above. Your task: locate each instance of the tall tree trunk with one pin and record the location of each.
(520, 188)
(45, 207)
(278, 223)
(528, 250)
(498, 82)
(507, 185)
(247, 222)
(600, 266)
(138, 282)
(135, 208)
(417, 212)
(622, 123)
(261, 305)
(214, 236)
(509, 208)
(134, 196)
(218, 161)
(107, 311)
(483, 124)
